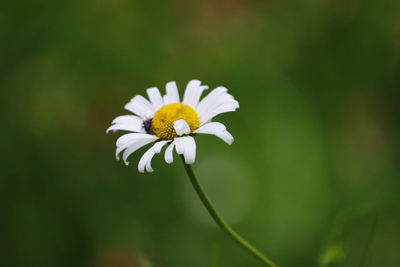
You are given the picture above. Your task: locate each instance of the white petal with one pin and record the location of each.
(217, 129)
(141, 107)
(147, 156)
(129, 128)
(217, 102)
(126, 119)
(158, 146)
(133, 147)
(226, 107)
(127, 123)
(209, 99)
(123, 139)
(190, 150)
(132, 142)
(148, 166)
(181, 127)
(186, 146)
(145, 161)
(172, 95)
(169, 157)
(155, 97)
(179, 145)
(193, 91)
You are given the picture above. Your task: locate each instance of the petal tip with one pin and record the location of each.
(189, 161)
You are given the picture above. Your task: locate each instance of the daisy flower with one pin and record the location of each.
(165, 120)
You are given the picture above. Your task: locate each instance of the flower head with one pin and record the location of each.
(166, 120)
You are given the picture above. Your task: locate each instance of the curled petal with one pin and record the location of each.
(181, 127)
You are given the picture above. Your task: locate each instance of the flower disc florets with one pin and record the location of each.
(162, 124)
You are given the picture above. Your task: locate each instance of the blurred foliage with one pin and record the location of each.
(314, 164)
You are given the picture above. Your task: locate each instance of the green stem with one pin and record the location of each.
(220, 221)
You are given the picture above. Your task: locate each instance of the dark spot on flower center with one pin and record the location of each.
(147, 126)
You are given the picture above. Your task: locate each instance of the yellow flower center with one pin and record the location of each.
(162, 124)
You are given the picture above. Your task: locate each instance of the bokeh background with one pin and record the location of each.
(312, 178)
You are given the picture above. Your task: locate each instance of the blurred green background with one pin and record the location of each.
(312, 178)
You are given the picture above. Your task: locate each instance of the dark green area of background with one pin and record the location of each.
(312, 178)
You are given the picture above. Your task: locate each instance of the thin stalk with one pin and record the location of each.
(221, 222)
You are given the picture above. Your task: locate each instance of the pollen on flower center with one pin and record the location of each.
(162, 124)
